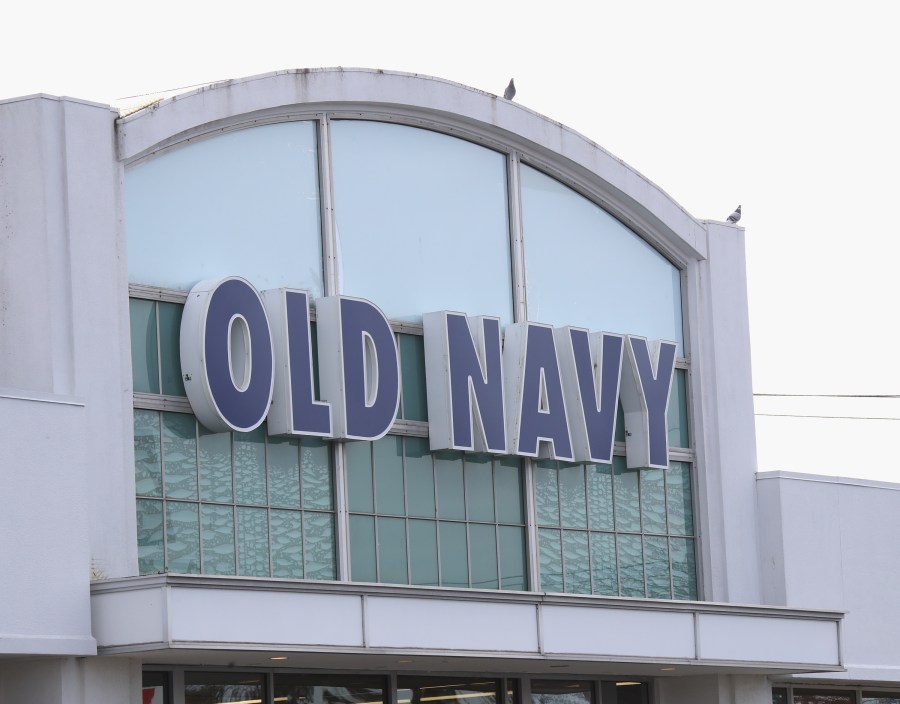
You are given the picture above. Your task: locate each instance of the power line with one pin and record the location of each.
(800, 415)
(829, 395)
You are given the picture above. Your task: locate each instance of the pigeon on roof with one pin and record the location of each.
(510, 91)
(735, 216)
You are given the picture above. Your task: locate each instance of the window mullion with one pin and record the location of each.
(517, 251)
(331, 282)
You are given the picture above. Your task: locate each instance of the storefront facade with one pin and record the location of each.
(360, 386)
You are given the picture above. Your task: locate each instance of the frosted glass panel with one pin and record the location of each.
(585, 268)
(421, 221)
(218, 539)
(245, 202)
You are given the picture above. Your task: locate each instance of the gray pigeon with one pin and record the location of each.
(510, 91)
(735, 216)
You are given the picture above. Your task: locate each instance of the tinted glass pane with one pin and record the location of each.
(253, 542)
(315, 459)
(631, 565)
(454, 560)
(656, 564)
(479, 488)
(412, 365)
(150, 536)
(359, 476)
(600, 496)
(653, 500)
(603, 563)
(619, 434)
(218, 539)
(446, 689)
(287, 544)
(587, 290)
(577, 562)
(250, 467)
(318, 545)
(508, 481)
(392, 551)
(779, 696)
(628, 508)
(439, 201)
(144, 354)
(147, 468)
(419, 478)
(483, 548)
(215, 466)
(170, 348)
(180, 455)
(214, 687)
(824, 696)
(679, 433)
(684, 569)
(678, 498)
(512, 558)
(572, 498)
(362, 549)
(881, 698)
(423, 558)
(561, 692)
(284, 472)
(551, 560)
(448, 468)
(328, 689)
(242, 202)
(388, 459)
(546, 493)
(182, 538)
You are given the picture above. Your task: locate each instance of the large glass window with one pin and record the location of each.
(606, 529)
(329, 689)
(216, 687)
(422, 221)
(446, 690)
(442, 518)
(244, 203)
(231, 503)
(583, 267)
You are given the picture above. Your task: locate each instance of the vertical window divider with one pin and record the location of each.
(532, 546)
(587, 525)
(615, 526)
(162, 473)
(199, 492)
(269, 540)
(517, 249)
(341, 516)
(159, 364)
(467, 523)
(331, 282)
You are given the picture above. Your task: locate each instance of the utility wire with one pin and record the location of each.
(829, 395)
(800, 415)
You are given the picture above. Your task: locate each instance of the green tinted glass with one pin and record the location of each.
(513, 559)
(144, 350)
(423, 556)
(677, 421)
(284, 472)
(250, 467)
(653, 501)
(392, 566)
(483, 556)
(170, 348)
(253, 542)
(362, 549)
(147, 467)
(182, 537)
(412, 365)
(315, 462)
(603, 563)
(577, 562)
(360, 496)
(479, 488)
(572, 497)
(631, 565)
(287, 544)
(600, 496)
(180, 455)
(218, 539)
(388, 461)
(684, 568)
(508, 482)
(656, 565)
(319, 548)
(215, 466)
(678, 498)
(448, 467)
(627, 498)
(551, 560)
(546, 492)
(454, 554)
(151, 559)
(419, 478)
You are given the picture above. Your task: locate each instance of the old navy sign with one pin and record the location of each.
(529, 390)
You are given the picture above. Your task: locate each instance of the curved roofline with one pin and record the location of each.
(428, 102)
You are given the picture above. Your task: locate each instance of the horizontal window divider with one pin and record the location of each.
(414, 428)
(160, 402)
(156, 293)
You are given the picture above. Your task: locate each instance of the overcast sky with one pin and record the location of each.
(788, 108)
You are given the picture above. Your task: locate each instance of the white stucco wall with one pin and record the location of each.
(832, 543)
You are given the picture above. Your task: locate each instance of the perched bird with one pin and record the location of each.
(735, 216)
(510, 91)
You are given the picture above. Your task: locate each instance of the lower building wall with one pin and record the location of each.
(71, 681)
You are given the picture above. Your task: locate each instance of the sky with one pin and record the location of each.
(789, 108)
